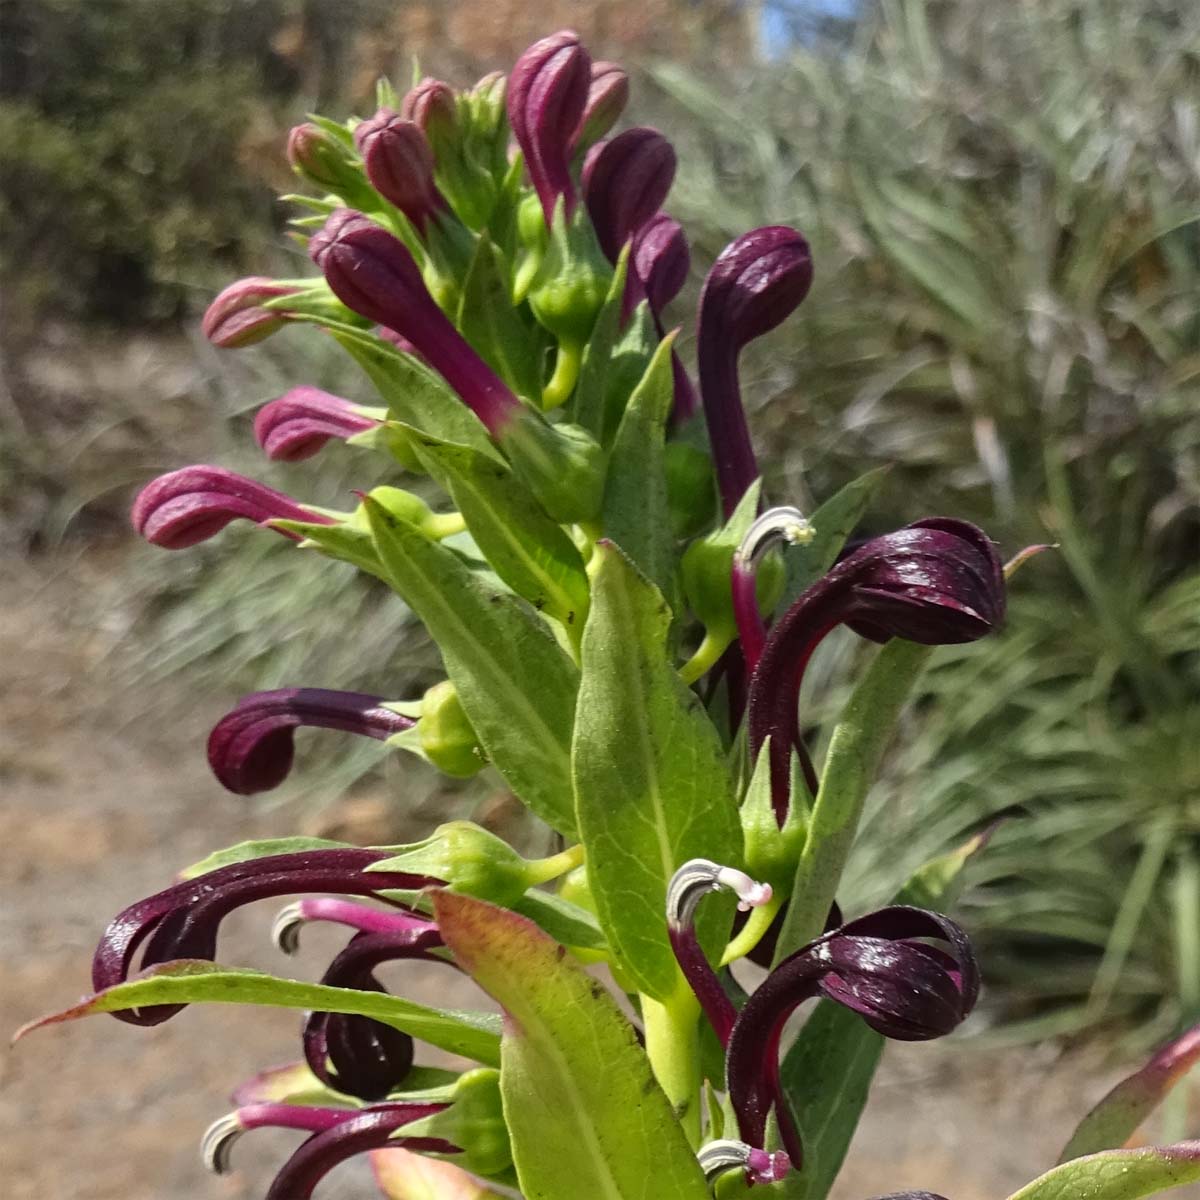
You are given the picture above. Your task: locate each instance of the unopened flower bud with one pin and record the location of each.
(447, 736)
(399, 164)
(433, 107)
(547, 92)
(296, 425)
(236, 317)
(608, 94)
(325, 161)
(625, 182)
(660, 260)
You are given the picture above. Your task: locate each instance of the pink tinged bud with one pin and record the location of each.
(251, 748)
(191, 505)
(547, 94)
(608, 94)
(758, 280)
(625, 182)
(399, 164)
(431, 105)
(315, 154)
(373, 273)
(236, 317)
(296, 425)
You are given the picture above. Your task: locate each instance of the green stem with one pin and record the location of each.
(566, 371)
(752, 932)
(855, 751)
(707, 653)
(542, 870)
(444, 525)
(673, 1047)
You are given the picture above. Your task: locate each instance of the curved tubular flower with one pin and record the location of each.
(689, 885)
(338, 1134)
(353, 1054)
(399, 163)
(625, 182)
(758, 280)
(296, 425)
(183, 921)
(373, 273)
(285, 931)
(937, 582)
(548, 91)
(236, 317)
(251, 748)
(608, 94)
(902, 987)
(188, 506)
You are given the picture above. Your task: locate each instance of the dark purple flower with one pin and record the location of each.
(299, 423)
(251, 748)
(608, 94)
(660, 260)
(190, 505)
(399, 164)
(937, 582)
(625, 182)
(337, 1134)
(183, 921)
(236, 317)
(373, 273)
(547, 94)
(758, 280)
(878, 966)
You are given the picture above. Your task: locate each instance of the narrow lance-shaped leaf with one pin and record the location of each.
(585, 1114)
(1118, 1174)
(587, 405)
(188, 981)
(635, 512)
(652, 788)
(515, 683)
(529, 551)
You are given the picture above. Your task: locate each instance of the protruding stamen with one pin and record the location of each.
(217, 1142)
(728, 1154)
(699, 876)
(285, 932)
(781, 524)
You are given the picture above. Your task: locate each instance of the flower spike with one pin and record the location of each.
(548, 91)
(758, 281)
(728, 1154)
(876, 967)
(188, 506)
(251, 748)
(373, 273)
(299, 423)
(625, 182)
(937, 582)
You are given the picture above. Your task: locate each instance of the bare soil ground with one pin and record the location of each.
(99, 809)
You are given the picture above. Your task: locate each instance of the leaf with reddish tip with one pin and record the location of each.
(1115, 1119)
(403, 1175)
(586, 1116)
(191, 981)
(1118, 1174)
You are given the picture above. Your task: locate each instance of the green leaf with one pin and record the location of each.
(515, 683)
(1118, 1174)
(190, 981)
(414, 394)
(494, 327)
(635, 512)
(585, 1114)
(1115, 1119)
(245, 851)
(406, 1175)
(588, 400)
(563, 921)
(833, 522)
(529, 551)
(652, 788)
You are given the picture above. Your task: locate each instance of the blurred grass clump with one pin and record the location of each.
(1005, 206)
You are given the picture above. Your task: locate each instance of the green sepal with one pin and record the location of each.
(574, 277)
(691, 488)
(588, 406)
(772, 852)
(447, 737)
(561, 464)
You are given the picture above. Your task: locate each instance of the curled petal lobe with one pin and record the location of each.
(625, 182)
(299, 423)
(184, 507)
(251, 748)
(236, 317)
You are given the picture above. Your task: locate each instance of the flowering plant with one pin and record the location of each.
(625, 627)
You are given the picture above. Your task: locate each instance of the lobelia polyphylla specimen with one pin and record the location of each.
(507, 303)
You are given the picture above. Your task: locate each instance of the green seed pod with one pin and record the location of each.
(447, 737)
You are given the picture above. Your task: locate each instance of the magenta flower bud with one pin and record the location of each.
(547, 94)
(660, 260)
(251, 748)
(608, 94)
(297, 424)
(373, 273)
(183, 921)
(190, 505)
(236, 317)
(937, 582)
(877, 966)
(625, 182)
(399, 164)
(432, 106)
(758, 280)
